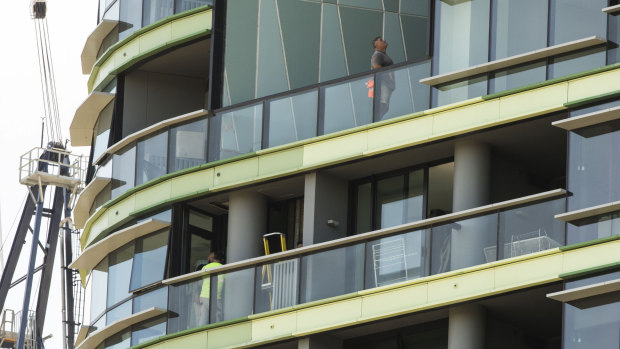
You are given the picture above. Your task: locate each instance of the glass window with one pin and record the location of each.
(152, 158)
(462, 35)
(531, 229)
(416, 37)
(102, 131)
(123, 171)
(113, 11)
(512, 33)
(346, 273)
(292, 118)
(459, 91)
(400, 199)
(416, 7)
(407, 95)
(566, 13)
(593, 228)
(592, 327)
(118, 313)
(234, 295)
(507, 79)
(363, 210)
(184, 301)
(596, 107)
(101, 198)
(130, 17)
(236, 132)
(594, 165)
(300, 39)
(464, 243)
(149, 261)
(271, 76)
(397, 258)
(359, 27)
(152, 299)
(577, 62)
(147, 330)
(119, 273)
(154, 10)
(186, 5)
(440, 188)
(276, 285)
(120, 340)
(333, 64)
(188, 147)
(592, 280)
(371, 4)
(99, 279)
(346, 105)
(393, 34)
(101, 323)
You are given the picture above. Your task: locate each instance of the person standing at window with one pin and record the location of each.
(385, 83)
(216, 259)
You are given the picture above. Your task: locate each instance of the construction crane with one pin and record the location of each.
(42, 169)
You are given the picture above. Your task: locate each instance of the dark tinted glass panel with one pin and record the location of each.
(464, 243)
(513, 34)
(301, 23)
(333, 63)
(130, 17)
(391, 5)
(593, 228)
(185, 5)
(152, 158)
(516, 77)
(157, 299)
(462, 40)
(236, 132)
(120, 312)
(415, 31)
(359, 27)
(371, 4)
(119, 273)
(99, 285)
(363, 209)
(102, 131)
(395, 259)
(460, 91)
(188, 146)
(154, 10)
(440, 188)
(149, 261)
(119, 341)
(566, 13)
(393, 34)
(271, 75)
(594, 165)
(531, 229)
(577, 62)
(123, 171)
(240, 51)
(346, 266)
(346, 105)
(148, 330)
(292, 118)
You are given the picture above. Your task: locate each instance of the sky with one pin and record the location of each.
(21, 108)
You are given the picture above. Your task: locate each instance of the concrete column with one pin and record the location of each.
(325, 200)
(319, 341)
(247, 222)
(467, 327)
(472, 175)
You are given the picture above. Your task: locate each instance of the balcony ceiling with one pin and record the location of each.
(190, 60)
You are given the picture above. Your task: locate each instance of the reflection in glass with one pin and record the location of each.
(346, 105)
(119, 273)
(188, 145)
(594, 165)
(531, 229)
(236, 132)
(460, 91)
(346, 273)
(276, 285)
(123, 168)
(102, 131)
(271, 75)
(154, 10)
(153, 299)
(464, 243)
(292, 118)
(99, 279)
(150, 329)
(120, 312)
(235, 291)
(516, 77)
(396, 258)
(152, 158)
(120, 340)
(512, 34)
(333, 63)
(149, 260)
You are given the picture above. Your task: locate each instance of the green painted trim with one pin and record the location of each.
(189, 331)
(588, 271)
(551, 82)
(112, 49)
(589, 243)
(584, 101)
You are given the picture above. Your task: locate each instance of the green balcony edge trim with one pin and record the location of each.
(584, 101)
(110, 51)
(590, 271)
(551, 82)
(589, 243)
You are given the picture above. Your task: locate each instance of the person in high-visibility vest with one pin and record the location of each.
(215, 260)
(385, 81)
